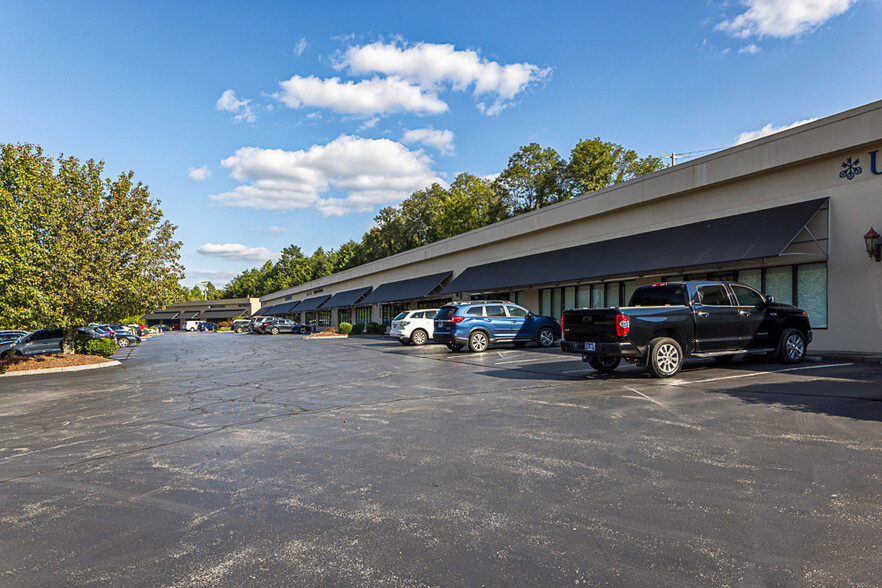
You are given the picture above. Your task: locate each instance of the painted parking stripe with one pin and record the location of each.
(527, 360)
(752, 374)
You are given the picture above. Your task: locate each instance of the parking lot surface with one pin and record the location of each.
(241, 460)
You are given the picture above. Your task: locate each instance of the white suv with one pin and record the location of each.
(414, 326)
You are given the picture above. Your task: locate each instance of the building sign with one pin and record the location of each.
(853, 168)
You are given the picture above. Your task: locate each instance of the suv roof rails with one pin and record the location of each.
(460, 302)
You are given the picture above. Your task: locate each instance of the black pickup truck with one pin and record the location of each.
(666, 322)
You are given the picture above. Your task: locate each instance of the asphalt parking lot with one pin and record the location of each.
(219, 459)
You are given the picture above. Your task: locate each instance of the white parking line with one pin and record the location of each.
(752, 374)
(578, 371)
(522, 360)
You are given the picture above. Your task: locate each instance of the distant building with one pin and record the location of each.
(213, 311)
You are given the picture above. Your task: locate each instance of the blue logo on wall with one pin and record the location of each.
(851, 169)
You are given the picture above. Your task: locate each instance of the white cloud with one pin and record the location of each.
(198, 174)
(349, 174)
(432, 65)
(782, 18)
(768, 130)
(440, 140)
(300, 47)
(238, 251)
(270, 230)
(751, 49)
(242, 109)
(367, 97)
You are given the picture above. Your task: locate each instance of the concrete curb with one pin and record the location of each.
(854, 357)
(76, 368)
(307, 337)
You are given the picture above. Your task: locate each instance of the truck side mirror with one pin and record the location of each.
(770, 300)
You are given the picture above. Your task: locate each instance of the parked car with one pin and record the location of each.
(481, 323)
(162, 328)
(123, 337)
(207, 326)
(414, 326)
(665, 322)
(240, 325)
(40, 341)
(256, 321)
(276, 326)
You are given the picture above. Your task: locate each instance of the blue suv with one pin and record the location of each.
(481, 322)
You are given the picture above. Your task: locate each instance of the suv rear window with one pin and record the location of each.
(673, 295)
(446, 312)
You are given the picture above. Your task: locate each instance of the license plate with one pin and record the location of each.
(589, 347)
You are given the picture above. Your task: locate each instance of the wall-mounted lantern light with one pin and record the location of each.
(874, 244)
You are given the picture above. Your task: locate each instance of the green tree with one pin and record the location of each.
(346, 256)
(212, 293)
(251, 283)
(77, 248)
(596, 164)
(470, 203)
(535, 177)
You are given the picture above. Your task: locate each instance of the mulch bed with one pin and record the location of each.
(42, 362)
(329, 332)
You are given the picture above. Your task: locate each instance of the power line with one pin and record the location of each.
(688, 154)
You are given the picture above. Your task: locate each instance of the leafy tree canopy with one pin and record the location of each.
(76, 248)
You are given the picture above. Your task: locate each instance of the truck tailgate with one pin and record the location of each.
(596, 324)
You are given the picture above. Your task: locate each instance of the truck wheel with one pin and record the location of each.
(545, 337)
(419, 337)
(478, 341)
(791, 349)
(454, 346)
(665, 357)
(604, 365)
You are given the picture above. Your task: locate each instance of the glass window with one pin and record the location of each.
(628, 288)
(570, 297)
(673, 279)
(723, 276)
(418, 315)
(475, 311)
(344, 315)
(545, 301)
(516, 311)
(659, 296)
(583, 297)
(779, 283)
(400, 316)
(811, 289)
(713, 296)
(612, 294)
(556, 300)
(494, 310)
(517, 297)
(597, 295)
(430, 314)
(751, 277)
(747, 296)
(446, 312)
(363, 314)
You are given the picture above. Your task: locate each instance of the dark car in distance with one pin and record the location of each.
(280, 325)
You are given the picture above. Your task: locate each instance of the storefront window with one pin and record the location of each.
(811, 288)
(597, 295)
(363, 314)
(569, 297)
(583, 297)
(545, 302)
(752, 278)
(612, 294)
(344, 315)
(324, 318)
(779, 283)
(629, 288)
(391, 310)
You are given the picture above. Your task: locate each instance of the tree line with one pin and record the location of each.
(535, 177)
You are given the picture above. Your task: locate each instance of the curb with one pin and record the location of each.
(76, 368)
(853, 357)
(307, 337)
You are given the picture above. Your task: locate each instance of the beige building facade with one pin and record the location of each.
(785, 213)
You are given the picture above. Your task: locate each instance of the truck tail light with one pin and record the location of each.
(623, 325)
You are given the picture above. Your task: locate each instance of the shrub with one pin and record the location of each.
(345, 328)
(357, 328)
(223, 324)
(377, 328)
(101, 346)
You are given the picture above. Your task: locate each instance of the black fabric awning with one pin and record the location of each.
(284, 308)
(312, 303)
(266, 310)
(188, 315)
(223, 312)
(160, 315)
(406, 289)
(754, 235)
(347, 298)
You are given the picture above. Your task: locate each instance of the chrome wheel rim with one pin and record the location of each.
(479, 342)
(668, 358)
(546, 337)
(418, 338)
(794, 346)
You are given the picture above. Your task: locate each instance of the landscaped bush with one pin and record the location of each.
(345, 328)
(86, 345)
(357, 328)
(223, 324)
(376, 328)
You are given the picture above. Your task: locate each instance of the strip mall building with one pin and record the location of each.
(786, 214)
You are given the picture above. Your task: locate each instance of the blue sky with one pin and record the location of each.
(264, 124)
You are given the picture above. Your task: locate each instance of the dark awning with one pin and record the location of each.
(347, 298)
(284, 308)
(223, 312)
(187, 315)
(754, 235)
(312, 303)
(406, 289)
(266, 310)
(160, 315)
